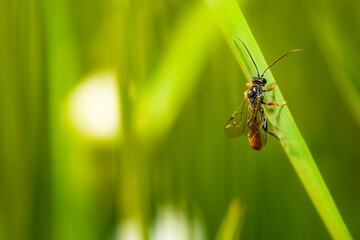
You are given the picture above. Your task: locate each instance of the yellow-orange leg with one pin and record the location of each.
(271, 87)
(248, 85)
(275, 104)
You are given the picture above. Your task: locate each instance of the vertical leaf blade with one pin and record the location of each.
(234, 25)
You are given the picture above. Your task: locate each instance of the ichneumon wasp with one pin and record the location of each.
(250, 118)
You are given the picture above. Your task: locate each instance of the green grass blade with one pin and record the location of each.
(174, 78)
(339, 47)
(230, 227)
(233, 25)
(158, 102)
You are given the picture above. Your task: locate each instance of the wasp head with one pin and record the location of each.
(258, 81)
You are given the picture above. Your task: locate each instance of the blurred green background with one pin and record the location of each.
(112, 117)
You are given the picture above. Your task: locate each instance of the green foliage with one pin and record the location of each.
(231, 226)
(171, 169)
(233, 24)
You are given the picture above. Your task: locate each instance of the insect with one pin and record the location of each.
(250, 118)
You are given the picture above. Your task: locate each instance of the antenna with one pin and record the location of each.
(257, 70)
(292, 51)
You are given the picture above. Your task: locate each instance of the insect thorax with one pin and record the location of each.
(255, 93)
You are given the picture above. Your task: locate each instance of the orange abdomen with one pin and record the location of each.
(254, 136)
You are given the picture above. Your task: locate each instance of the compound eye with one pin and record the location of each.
(264, 81)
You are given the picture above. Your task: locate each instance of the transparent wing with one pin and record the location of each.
(237, 124)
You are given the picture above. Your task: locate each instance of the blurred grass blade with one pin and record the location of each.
(159, 101)
(231, 225)
(62, 72)
(173, 80)
(338, 46)
(234, 26)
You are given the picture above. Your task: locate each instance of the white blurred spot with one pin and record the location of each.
(94, 106)
(170, 224)
(173, 224)
(129, 230)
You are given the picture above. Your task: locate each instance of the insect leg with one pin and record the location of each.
(275, 103)
(271, 87)
(265, 127)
